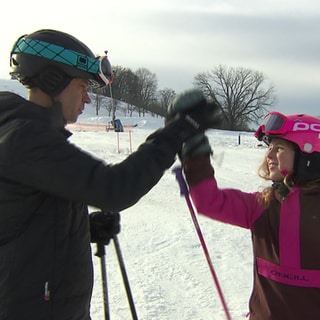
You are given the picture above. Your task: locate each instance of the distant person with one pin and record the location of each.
(46, 182)
(284, 219)
(117, 125)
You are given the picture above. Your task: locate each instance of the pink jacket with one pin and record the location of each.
(220, 204)
(286, 246)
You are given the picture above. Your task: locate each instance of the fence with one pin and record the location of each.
(102, 127)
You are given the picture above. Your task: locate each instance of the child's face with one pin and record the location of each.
(280, 158)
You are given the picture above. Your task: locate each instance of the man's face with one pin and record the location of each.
(73, 99)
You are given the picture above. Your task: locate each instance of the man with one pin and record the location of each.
(46, 183)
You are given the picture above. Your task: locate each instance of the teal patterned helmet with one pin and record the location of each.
(56, 57)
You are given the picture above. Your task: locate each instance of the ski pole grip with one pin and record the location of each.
(182, 183)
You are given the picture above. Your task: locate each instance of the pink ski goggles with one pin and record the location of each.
(274, 123)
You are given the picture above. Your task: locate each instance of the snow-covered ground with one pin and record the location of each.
(168, 273)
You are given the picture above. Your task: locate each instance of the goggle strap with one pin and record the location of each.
(56, 53)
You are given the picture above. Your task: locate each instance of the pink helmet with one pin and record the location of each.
(301, 129)
(304, 131)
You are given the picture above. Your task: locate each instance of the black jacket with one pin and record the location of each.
(46, 184)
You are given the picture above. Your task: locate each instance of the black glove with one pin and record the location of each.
(103, 226)
(188, 114)
(193, 107)
(196, 145)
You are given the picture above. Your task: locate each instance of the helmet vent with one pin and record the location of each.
(307, 147)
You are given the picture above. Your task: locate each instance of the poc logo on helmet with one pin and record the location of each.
(303, 126)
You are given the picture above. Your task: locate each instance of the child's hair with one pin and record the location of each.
(267, 193)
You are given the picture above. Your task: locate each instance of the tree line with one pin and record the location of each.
(241, 94)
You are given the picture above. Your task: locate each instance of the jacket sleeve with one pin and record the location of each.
(226, 205)
(46, 161)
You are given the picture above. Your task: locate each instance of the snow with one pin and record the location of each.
(167, 269)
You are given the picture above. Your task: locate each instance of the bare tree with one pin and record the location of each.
(146, 89)
(239, 94)
(125, 84)
(165, 97)
(96, 100)
(156, 109)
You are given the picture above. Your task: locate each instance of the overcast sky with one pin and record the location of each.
(176, 39)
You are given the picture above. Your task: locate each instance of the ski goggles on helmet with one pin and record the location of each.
(104, 71)
(274, 123)
(99, 68)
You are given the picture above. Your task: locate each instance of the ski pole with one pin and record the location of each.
(101, 253)
(125, 277)
(185, 192)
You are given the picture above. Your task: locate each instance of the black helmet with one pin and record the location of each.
(49, 59)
